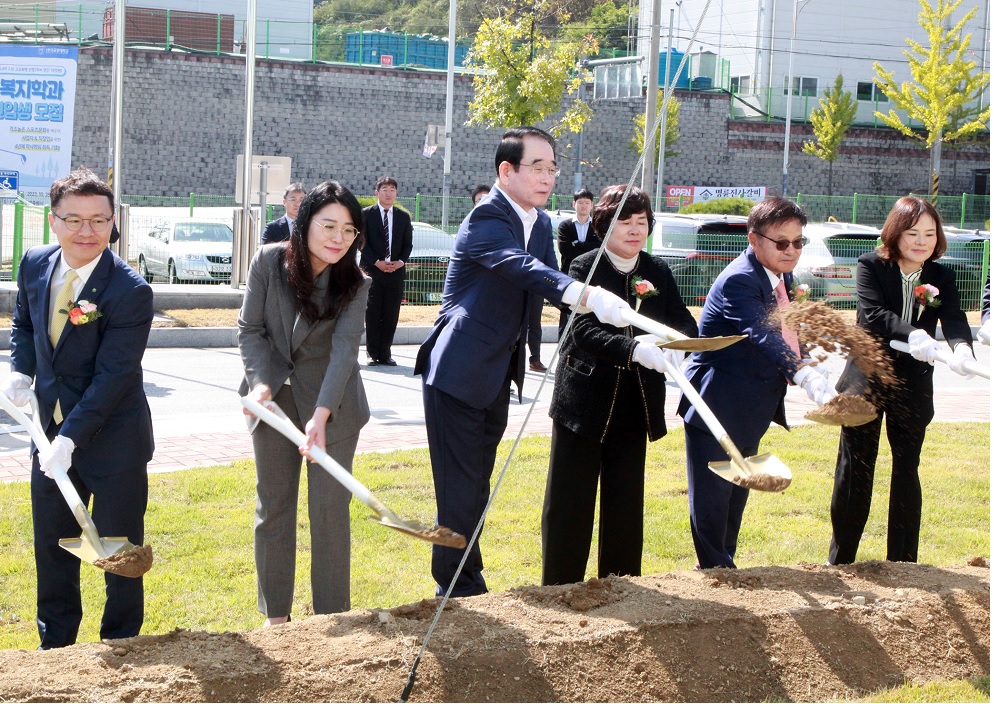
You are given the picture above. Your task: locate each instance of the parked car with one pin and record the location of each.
(968, 254)
(828, 263)
(428, 264)
(697, 247)
(186, 249)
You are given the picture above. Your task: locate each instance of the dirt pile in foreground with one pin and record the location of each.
(803, 633)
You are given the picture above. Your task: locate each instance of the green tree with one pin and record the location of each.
(942, 82)
(672, 129)
(830, 120)
(607, 23)
(523, 75)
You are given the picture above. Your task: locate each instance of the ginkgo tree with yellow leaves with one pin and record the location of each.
(830, 121)
(523, 75)
(943, 83)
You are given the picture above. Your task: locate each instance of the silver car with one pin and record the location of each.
(186, 249)
(828, 262)
(428, 264)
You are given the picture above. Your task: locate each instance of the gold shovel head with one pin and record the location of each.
(439, 535)
(761, 472)
(693, 344)
(86, 551)
(844, 409)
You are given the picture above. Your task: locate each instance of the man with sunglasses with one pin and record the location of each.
(744, 384)
(80, 328)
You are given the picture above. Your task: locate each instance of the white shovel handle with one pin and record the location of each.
(283, 425)
(709, 418)
(945, 356)
(59, 471)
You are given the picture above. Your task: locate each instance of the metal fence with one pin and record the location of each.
(965, 211)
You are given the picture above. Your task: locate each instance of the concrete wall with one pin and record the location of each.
(184, 127)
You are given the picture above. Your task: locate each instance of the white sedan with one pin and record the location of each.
(186, 249)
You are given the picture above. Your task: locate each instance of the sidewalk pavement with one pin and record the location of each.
(206, 440)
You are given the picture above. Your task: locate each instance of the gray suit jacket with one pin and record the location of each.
(321, 360)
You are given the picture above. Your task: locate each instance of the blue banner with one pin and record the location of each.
(37, 100)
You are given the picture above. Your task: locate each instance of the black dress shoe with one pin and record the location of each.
(373, 363)
(391, 362)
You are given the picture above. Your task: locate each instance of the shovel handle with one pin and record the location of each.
(60, 472)
(945, 356)
(282, 424)
(709, 418)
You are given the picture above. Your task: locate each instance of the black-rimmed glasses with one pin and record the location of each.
(782, 245)
(74, 223)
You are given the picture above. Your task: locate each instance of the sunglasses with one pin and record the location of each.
(782, 245)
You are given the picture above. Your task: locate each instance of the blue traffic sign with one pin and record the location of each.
(8, 180)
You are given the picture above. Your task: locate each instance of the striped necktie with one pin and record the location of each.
(386, 234)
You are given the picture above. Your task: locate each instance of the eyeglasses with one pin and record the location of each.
(542, 170)
(782, 245)
(347, 232)
(75, 224)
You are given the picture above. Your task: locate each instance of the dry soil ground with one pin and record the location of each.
(802, 633)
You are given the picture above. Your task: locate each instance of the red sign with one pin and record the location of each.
(386, 60)
(679, 195)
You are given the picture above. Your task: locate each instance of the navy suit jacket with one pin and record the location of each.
(95, 369)
(468, 352)
(276, 231)
(743, 384)
(375, 247)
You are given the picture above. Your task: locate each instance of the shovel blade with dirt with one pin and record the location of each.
(116, 555)
(274, 416)
(761, 472)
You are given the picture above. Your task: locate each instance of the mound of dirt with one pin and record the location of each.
(803, 633)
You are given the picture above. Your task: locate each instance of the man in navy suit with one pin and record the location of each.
(745, 384)
(503, 253)
(279, 229)
(92, 404)
(389, 236)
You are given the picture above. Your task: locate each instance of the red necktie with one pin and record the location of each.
(386, 234)
(789, 336)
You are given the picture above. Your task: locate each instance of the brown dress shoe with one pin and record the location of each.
(537, 366)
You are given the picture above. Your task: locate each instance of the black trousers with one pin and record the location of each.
(382, 311)
(462, 442)
(908, 409)
(576, 465)
(535, 304)
(119, 503)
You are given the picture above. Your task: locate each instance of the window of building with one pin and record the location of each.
(869, 91)
(740, 84)
(802, 86)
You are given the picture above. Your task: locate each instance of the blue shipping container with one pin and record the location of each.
(409, 49)
(683, 80)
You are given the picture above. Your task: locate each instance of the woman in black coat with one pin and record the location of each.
(902, 293)
(608, 399)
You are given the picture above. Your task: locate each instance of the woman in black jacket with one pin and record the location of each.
(902, 293)
(608, 398)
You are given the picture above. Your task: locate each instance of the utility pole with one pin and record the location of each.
(652, 87)
(449, 91)
(666, 113)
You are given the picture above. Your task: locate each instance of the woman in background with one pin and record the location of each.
(902, 293)
(608, 399)
(298, 334)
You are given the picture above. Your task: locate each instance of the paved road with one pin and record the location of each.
(197, 418)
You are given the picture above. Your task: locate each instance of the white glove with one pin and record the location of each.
(17, 387)
(984, 333)
(815, 385)
(607, 306)
(961, 355)
(59, 453)
(675, 357)
(649, 356)
(922, 346)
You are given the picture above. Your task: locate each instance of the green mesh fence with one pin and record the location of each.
(965, 211)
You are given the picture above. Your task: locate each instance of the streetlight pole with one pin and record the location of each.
(798, 4)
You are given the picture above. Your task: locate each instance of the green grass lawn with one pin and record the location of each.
(199, 523)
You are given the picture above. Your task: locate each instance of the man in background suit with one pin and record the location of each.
(279, 229)
(88, 379)
(476, 348)
(575, 237)
(389, 241)
(744, 384)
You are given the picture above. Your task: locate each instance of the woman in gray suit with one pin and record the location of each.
(298, 334)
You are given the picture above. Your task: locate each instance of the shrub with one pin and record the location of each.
(721, 206)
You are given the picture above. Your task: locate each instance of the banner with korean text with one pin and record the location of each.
(677, 196)
(37, 101)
